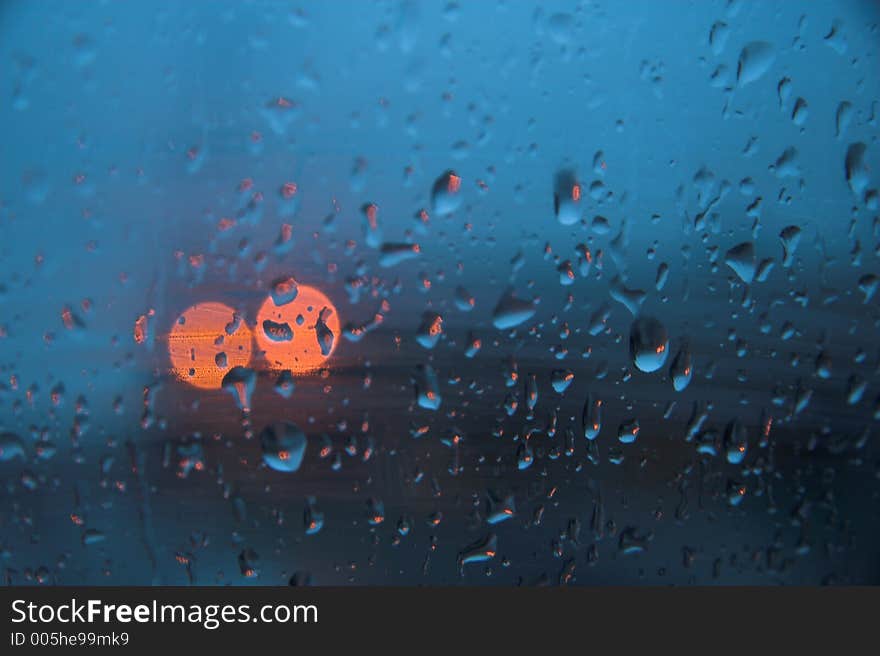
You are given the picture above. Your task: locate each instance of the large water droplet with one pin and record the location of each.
(790, 237)
(560, 379)
(430, 330)
(284, 290)
(648, 344)
(427, 388)
(735, 442)
(628, 431)
(240, 382)
(755, 60)
(284, 446)
(480, 551)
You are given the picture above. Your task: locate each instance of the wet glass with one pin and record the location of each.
(439, 293)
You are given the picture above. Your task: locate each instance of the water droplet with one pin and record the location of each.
(284, 290)
(632, 299)
(500, 508)
(531, 391)
(560, 379)
(628, 431)
(427, 388)
(512, 311)
(735, 442)
(633, 542)
(375, 511)
(393, 254)
(823, 365)
(736, 492)
(567, 198)
(591, 417)
(277, 332)
(755, 60)
(480, 551)
(800, 112)
(855, 389)
(372, 230)
(648, 344)
(525, 456)
(718, 35)
(240, 382)
(323, 333)
(313, 519)
(842, 118)
(446, 194)
(681, 371)
(249, 563)
(790, 237)
(464, 301)
(868, 286)
(856, 168)
(284, 446)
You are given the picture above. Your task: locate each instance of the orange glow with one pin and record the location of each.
(576, 192)
(372, 211)
(205, 342)
(288, 336)
(140, 327)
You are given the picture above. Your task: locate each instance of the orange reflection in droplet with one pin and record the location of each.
(302, 352)
(206, 341)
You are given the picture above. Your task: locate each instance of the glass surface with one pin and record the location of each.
(421, 293)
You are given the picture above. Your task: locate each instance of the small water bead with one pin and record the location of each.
(735, 442)
(628, 431)
(741, 258)
(567, 198)
(512, 311)
(430, 330)
(592, 417)
(681, 371)
(446, 194)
